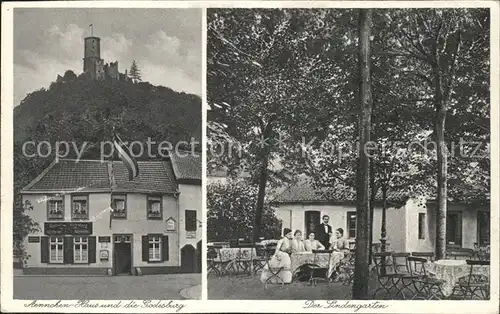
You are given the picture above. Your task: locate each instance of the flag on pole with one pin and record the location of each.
(126, 156)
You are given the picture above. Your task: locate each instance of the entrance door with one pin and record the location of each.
(312, 219)
(122, 254)
(454, 228)
(188, 259)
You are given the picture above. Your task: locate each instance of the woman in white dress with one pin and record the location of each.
(281, 258)
(297, 243)
(312, 244)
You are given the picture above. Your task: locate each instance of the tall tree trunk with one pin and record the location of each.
(260, 197)
(442, 164)
(361, 272)
(263, 175)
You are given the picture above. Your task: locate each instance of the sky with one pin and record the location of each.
(166, 44)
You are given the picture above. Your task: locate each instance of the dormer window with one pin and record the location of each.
(154, 207)
(55, 208)
(80, 209)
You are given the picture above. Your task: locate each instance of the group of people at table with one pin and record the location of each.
(322, 238)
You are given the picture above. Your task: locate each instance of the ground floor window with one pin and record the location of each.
(454, 228)
(81, 250)
(483, 227)
(351, 224)
(68, 249)
(56, 249)
(154, 248)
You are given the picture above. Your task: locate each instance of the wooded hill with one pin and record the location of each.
(82, 110)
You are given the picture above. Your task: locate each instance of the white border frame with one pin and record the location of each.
(10, 305)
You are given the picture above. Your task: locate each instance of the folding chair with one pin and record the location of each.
(387, 277)
(476, 285)
(403, 269)
(260, 259)
(460, 254)
(244, 258)
(318, 272)
(347, 267)
(274, 271)
(211, 257)
(215, 262)
(429, 256)
(426, 287)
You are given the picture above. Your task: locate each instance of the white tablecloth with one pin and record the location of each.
(452, 270)
(230, 254)
(322, 259)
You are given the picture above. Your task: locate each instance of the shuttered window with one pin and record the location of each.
(68, 250)
(56, 250)
(155, 248)
(81, 250)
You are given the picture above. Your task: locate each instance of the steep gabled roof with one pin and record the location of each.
(97, 176)
(304, 193)
(186, 166)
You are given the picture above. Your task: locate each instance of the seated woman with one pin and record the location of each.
(312, 244)
(281, 258)
(297, 243)
(338, 242)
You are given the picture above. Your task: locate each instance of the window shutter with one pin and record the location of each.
(92, 249)
(44, 250)
(145, 248)
(68, 250)
(164, 247)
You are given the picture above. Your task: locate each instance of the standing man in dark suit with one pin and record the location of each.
(323, 232)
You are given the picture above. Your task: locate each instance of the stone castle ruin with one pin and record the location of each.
(95, 67)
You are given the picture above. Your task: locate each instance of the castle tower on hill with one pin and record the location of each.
(92, 62)
(94, 65)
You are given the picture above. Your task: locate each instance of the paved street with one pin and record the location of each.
(164, 287)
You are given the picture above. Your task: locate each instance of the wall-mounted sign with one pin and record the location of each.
(33, 239)
(170, 224)
(104, 255)
(60, 228)
(190, 234)
(104, 239)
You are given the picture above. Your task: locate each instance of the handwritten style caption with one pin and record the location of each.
(334, 304)
(159, 304)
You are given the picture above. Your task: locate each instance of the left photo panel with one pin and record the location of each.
(107, 153)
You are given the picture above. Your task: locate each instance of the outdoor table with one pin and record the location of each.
(322, 259)
(232, 255)
(452, 270)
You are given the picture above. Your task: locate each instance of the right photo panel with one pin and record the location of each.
(348, 154)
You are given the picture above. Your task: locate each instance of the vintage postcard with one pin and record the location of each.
(106, 154)
(250, 156)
